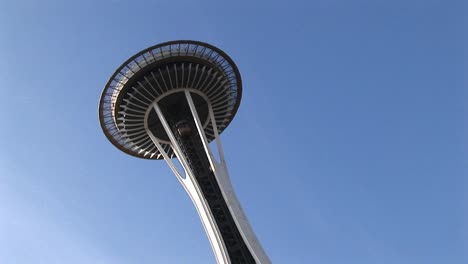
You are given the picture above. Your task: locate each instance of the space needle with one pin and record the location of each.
(169, 102)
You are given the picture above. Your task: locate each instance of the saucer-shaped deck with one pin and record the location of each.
(161, 74)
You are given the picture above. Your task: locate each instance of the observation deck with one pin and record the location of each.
(160, 74)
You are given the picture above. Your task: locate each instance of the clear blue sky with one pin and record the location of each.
(348, 147)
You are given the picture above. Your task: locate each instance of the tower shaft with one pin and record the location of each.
(192, 149)
(207, 183)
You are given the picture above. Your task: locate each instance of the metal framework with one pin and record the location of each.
(170, 101)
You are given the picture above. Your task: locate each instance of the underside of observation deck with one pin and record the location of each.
(157, 72)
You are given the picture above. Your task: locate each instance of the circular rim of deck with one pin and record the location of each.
(107, 119)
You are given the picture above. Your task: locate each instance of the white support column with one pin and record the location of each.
(200, 129)
(224, 182)
(216, 134)
(164, 154)
(192, 188)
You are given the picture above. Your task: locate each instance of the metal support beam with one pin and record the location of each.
(196, 195)
(224, 182)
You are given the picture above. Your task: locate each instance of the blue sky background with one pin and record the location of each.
(348, 147)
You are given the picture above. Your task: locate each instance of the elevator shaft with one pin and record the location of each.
(191, 145)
